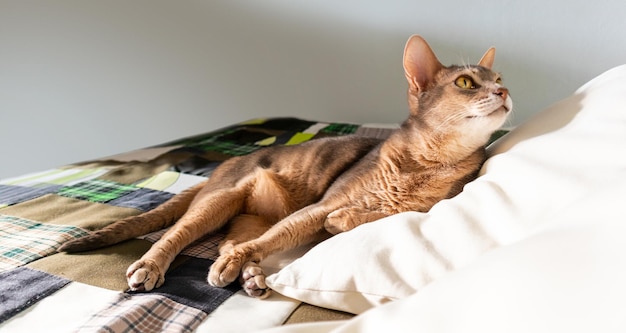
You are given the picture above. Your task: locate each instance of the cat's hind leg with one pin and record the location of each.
(206, 214)
(161, 217)
(244, 228)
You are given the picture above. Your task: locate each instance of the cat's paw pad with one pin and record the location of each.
(253, 280)
(224, 270)
(144, 276)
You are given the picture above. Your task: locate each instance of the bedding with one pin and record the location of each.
(42, 290)
(533, 244)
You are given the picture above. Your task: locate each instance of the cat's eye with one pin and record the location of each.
(465, 82)
(499, 80)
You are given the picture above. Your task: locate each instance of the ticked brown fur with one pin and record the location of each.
(281, 197)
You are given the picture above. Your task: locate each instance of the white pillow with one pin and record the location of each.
(536, 170)
(568, 277)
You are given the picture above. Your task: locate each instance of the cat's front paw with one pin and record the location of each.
(338, 221)
(225, 270)
(144, 275)
(253, 280)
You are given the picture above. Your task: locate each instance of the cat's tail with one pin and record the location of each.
(161, 217)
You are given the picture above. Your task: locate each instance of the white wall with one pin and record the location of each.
(82, 79)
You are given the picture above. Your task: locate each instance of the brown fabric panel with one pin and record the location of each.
(55, 209)
(306, 313)
(105, 268)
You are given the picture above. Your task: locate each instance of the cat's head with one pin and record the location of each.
(469, 99)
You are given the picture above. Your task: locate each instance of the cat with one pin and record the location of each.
(284, 196)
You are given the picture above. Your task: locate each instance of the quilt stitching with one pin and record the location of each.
(23, 241)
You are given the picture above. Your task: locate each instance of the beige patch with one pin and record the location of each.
(55, 209)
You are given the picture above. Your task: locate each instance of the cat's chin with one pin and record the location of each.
(503, 110)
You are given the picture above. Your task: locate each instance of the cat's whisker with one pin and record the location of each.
(464, 61)
(444, 125)
(509, 120)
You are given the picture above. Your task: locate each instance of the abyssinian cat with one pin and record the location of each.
(281, 197)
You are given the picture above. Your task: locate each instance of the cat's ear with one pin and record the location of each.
(420, 63)
(487, 59)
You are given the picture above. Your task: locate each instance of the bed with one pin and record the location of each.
(535, 244)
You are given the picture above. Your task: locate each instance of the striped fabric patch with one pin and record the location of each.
(23, 241)
(144, 313)
(379, 131)
(13, 194)
(97, 190)
(142, 199)
(204, 248)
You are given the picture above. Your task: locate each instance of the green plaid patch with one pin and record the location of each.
(225, 142)
(97, 190)
(340, 129)
(23, 241)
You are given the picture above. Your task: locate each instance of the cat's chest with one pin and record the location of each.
(395, 191)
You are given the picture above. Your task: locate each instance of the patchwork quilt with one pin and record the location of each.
(42, 290)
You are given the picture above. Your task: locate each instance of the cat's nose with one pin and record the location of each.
(502, 92)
